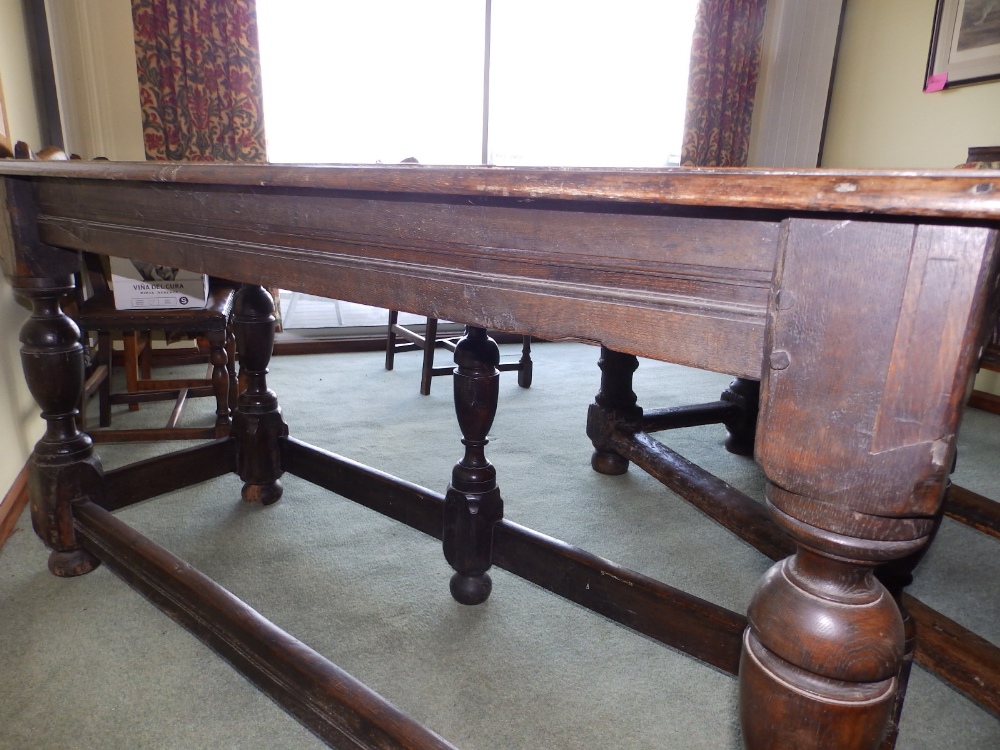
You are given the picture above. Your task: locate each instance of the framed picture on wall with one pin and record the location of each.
(6, 144)
(965, 45)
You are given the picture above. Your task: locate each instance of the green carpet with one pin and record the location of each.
(88, 663)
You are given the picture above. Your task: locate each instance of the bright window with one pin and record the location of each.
(571, 82)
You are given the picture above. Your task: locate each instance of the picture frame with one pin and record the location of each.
(6, 142)
(965, 44)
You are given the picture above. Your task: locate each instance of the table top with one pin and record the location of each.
(674, 264)
(956, 193)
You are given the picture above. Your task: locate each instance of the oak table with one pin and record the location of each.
(857, 299)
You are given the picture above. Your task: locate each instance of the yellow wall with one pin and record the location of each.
(879, 115)
(95, 75)
(19, 422)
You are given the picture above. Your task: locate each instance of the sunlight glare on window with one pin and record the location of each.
(571, 82)
(379, 80)
(586, 83)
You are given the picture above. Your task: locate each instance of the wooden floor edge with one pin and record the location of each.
(986, 401)
(13, 504)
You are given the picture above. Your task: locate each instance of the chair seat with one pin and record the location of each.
(99, 313)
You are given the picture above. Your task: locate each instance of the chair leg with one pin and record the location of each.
(104, 353)
(430, 344)
(220, 376)
(390, 340)
(525, 365)
(144, 352)
(234, 382)
(130, 357)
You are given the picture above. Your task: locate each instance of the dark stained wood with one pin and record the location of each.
(724, 504)
(678, 417)
(884, 396)
(696, 627)
(337, 707)
(743, 394)
(972, 509)
(946, 648)
(743, 516)
(100, 314)
(472, 503)
(986, 401)
(408, 503)
(63, 466)
(154, 434)
(359, 249)
(983, 153)
(152, 477)
(257, 422)
(615, 411)
(430, 340)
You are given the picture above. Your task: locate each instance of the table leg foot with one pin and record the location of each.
(264, 494)
(741, 429)
(72, 563)
(612, 464)
(471, 589)
(614, 405)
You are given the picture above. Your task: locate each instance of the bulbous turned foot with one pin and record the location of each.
(265, 494)
(471, 589)
(72, 563)
(739, 445)
(741, 428)
(605, 462)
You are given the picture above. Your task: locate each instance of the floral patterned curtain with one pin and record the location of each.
(725, 61)
(199, 79)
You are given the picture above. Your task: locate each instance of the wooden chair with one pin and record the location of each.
(211, 329)
(430, 341)
(95, 312)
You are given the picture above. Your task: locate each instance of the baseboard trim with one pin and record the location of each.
(13, 504)
(986, 401)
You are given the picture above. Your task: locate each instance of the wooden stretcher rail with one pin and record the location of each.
(699, 628)
(333, 704)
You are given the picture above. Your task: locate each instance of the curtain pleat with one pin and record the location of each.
(725, 62)
(198, 64)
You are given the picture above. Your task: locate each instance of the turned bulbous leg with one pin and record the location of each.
(825, 645)
(472, 502)
(741, 428)
(257, 422)
(63, 467)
